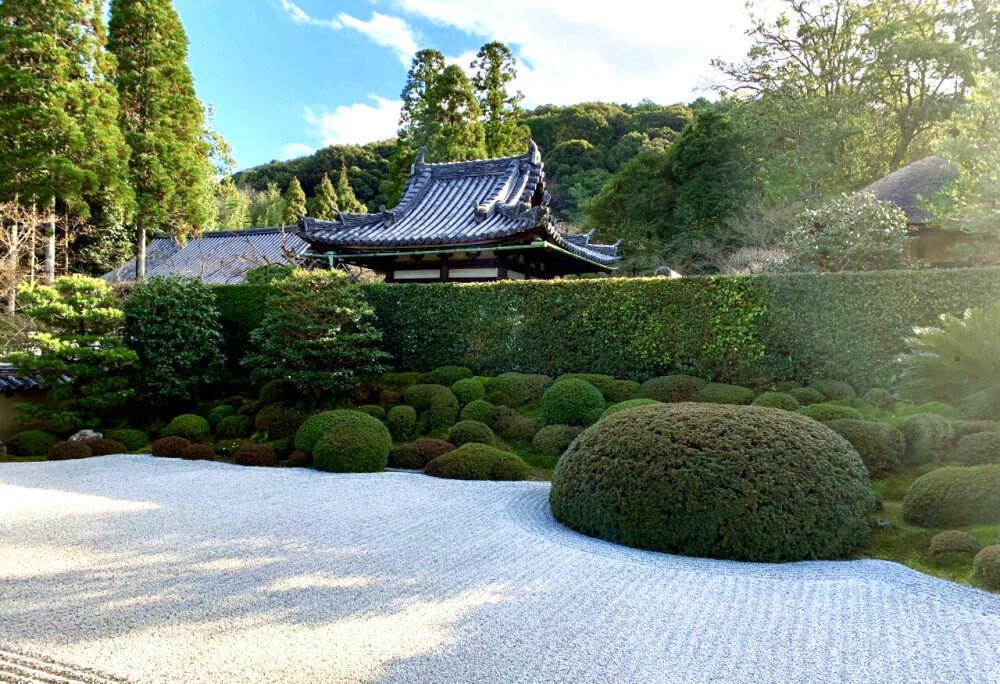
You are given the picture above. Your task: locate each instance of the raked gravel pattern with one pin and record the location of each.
(135, 569)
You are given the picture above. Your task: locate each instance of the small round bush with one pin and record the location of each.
(738, 482)
(373, 411)
(478, 462)
(979, 449)
(553, 440)
(104, 446)
(198, 452)
(470, 431)
(928, 437)
(248, 408)
(468, 390)
(279, 422)
(954, 542)
(611, 389)
(512, 426)
(986, 568)
(942, 409)
(719, 393)
(437, 401)
(480, 410)
(300, 459)
(228, 448)
(170, 447)
(954, 497)
(517, 389)
(276, 391)
(416, 455)
(981, 406)
(879, 397)
(235, 427)
(973, 427)
(806, 396)
(626, 405)
(132, 439)
(402, 422)
(447, 375)
(31, 444)
(778, 400)
(353, 442)
(216, 415)
(880, 446)
(671, 388)
(257, 455)
(188, 426)
(68, 451)
(827, 412)
(572, 402)
(283, 448)
(833, 389)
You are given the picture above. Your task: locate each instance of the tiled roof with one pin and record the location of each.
(216, 258)
(912, 186)
(477, 203)
(11, 382)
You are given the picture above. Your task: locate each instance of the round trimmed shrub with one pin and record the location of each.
(170, 447)
(517, 389)
(468, 390)
(257, 455)
(879, 397)
(373, 411)
(437, 401)
(806, 396)
(626, 405)
(68, 451)
(986, 568)
(833, 389)
(188, 426)
(553, 440)
(283, 448)
(978, 449)
(216, 415)
(402, 422)
(778, 400)
(981, 406)
(572, 402)
(300, 459)
(416, 455)
(276, 391)
(235, 427)
(279, 422)
(828, 412)
(104, 446)
(248, 408)
(512, 426)
(954, 542)
(954, 497)
(942, 409)
(739, 482)
(470, 431)
(132, 439)
(198, 452)
(478, 462)
(353, 442)
(447, 375)
(973, 427)
(228, 448)
(670, 388)
(928, 437)
(611, 389)
(31, 444)
(880, 446)
(720, 393)
(480, 410)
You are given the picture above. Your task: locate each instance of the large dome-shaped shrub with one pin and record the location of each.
(468, 390)
(721, 393)
(353, 442)
(402, 422)
(928, 437)
(738, 482)
(188, 426)
(257, 455)
(978, 449)
(105, 446)
(31, 443)
(68, 451)
(954, 497)
(470, 431)
(480, 410)
(436, 401)
(880, 446)
(170, 447)
(517, 389)
(478, 462)
(612, 389)
(132, 439)
(416, 455)
(957, 542)
(216, 415)
(670, 388)
(572, 402)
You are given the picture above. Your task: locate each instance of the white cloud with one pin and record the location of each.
(356, 124)
(390, 32)
(293, 150)
(299, 16)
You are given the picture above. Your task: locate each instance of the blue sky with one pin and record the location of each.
(287, 77)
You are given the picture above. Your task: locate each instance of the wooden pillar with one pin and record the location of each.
(502, 273)
(444, 272)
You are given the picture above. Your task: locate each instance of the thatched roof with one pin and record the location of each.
(911, 187)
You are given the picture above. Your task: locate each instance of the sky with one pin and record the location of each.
(287, 77)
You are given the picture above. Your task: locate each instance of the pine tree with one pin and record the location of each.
(457, 134)
(347, 202)
(295, 203)
(496, 67)
(61, 145)
(163, 121)
(324, 204)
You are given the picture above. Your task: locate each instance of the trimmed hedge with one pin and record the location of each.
(807, 396)
(470, 432)
(626, 405)
(132, 439)
(68, 451)
(572, 402)
(235, 427)
(275, 391)
(981, 448)
(736, 482)
(671, 388)
(986, 568)
(954, 497)
(240, 313)
(834, 390)
(416, 455)
(553, 440)
(719, 393)
(447, 375)
(612, 389)
(352, 442)
(779, 400)
(880, 446)
(468, 390)
(480, 410)
(216, 415)
(825, 412)
(280, 422)
(478, 462)
(954, 542)
(436, 402)
(517, 389)
(928, 437)
(402, 422)
(188, 426)
(31, 444)
(514, 427)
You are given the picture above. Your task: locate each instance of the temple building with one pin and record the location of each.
(461, 221)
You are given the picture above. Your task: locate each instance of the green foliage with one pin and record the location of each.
(279, 422)
(954, 541)
(318, 333)
(807, 395)
(234, 427)
(671, 388)
(240, 313)
(468, 391)
(172, 325)
(495, 67)
(66, 451)
(373, 410)
(699, 479)
(553, 440)
(416, 455)
(880, 446)
(447, 375)
(84, 318)
(189, 426)
(257, 455)
(402, 422)
(31, 443)
(986, 568)
(572, 402)
(611, 389)
(265, 275)
(436, 402)
(954, 497)
(480, 410)
(625, 405)
(275, 391)
(981, 405)
(980, 448)
(295, 204)
(974, 427)
(779, 400)
(942, 409)
(928, 437)
(324, 204)
(346, 201)
(478, 462)
(470, 431)
(833, 390)
(132, 439)
(170, 447)
(216, 415)
(512, 426)
(312, 428)
(824, 412)
(517, 389)
(283, 448)
(719, 393)
(352, 442)
(228, 447)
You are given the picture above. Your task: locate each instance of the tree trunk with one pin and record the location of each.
(140, 254)
(12, 294)
(50, 245)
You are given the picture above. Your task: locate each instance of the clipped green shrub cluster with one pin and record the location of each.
(954, 542)
(437, 402)
(198, 452)
(416, 455)
(373, 410)
(468, 390)
(170, 447)
(216, 415)
(721, 393)
(132, 439)
(283, 448)
(257, 455)
(478, 462)
(626, 405)
(572, 402)
(928, 437)
(240, 313)
(978, 449)
(954, 497)
(105, 446)
(986, 568)
(832, 390)
(67, 451)
(806, 396)
(188, 426)
(351, 442)
(235, 427)
(470, 431)
(248, 408)
(879, 397)
(880, 446)
(671, 388)
(981, 406)
(480, 410)
(402, 422)
(973, 427)
(612, 389)
(778, 400)
(275, 391)
(517, 389)
(312, 428)
(553, 440)
(737, 482)
(512, 426)
(279, 422)
(827, 412)
(447, 375)
(31, 444)
(228, 448)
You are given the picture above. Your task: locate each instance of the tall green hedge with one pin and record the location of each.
(241, 310)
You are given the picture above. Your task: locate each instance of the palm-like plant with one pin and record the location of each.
(956, 359)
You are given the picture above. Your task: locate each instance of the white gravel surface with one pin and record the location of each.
(134, 569)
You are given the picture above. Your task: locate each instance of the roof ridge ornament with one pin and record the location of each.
(388, 216)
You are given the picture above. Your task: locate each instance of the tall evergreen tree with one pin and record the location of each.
(456, 133)
(495, 68)
(60, 145)
(325, 203)
(163, 121)
(346, 201)
(295, 203)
